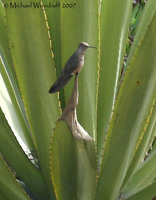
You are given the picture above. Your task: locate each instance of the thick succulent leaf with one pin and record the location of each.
(144, 177)
(6, 58)
(147, 194)
(9, 78)
(4, 42)
(9, 187)
(84, 22)
(52, 17)
(12, 107)
(33, 62)
(2, 197)
(114, 25)
(151, 130)
(152, 143)
(144, 144)
(147, 16)
(72, 164)
(130, 115)
(16, 158)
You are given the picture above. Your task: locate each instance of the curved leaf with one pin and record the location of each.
(33, 62)
(73, 165)
(146, 18)
(53, 22)
(131, 111)
(144, 144)
(147, 194)
(114, 25)
(20, 163)
(52, 17)
(9, 77)
(4, 41)
(84, 22)
(10, 104)
(144, 177)
(9, 186)
(152, 142)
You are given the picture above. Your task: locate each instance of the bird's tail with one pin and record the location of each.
(60, 83)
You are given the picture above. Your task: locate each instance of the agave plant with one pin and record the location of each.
(39, 157)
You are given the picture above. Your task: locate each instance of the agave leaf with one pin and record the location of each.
(144, 177)
(9, 187)
(52, 17)
(152, 143)
(146, 18)
(9, 78)
(4, 41)
(35, 71)
(72, 164)
(83, 20)
(113, 34)
(130, 115)
(144, 144)
(70, 116)
(147, 194)
(13, 108)
(17, 159)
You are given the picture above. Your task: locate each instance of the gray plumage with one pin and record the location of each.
(73, 65)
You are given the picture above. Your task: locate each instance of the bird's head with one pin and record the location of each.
(83, 46)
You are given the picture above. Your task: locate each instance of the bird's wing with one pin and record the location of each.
(65, 75)
(71, 64)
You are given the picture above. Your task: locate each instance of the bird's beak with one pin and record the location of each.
(92, 47)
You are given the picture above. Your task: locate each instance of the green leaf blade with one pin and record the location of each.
(73, 165)
(113, 34)
(138, 90)
(144, 144)
(4, 41)
(84, 22)
(19, 162)
(9, 187)
(143, 178)
(35, 73)
(146, 18)
(147, 194)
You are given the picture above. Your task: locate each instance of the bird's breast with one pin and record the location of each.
(79, 65)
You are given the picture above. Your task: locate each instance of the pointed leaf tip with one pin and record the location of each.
(70, 116)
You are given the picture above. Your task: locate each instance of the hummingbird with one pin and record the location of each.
(73, 66)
